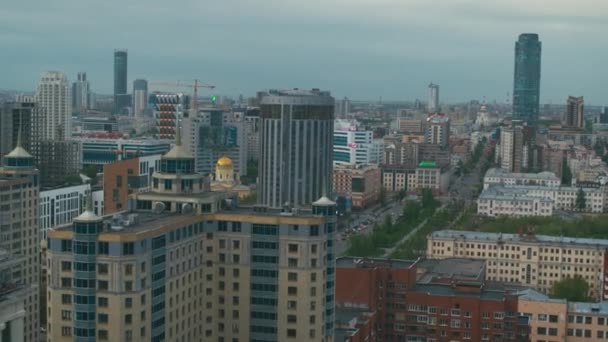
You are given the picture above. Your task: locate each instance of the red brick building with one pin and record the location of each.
(361, 183)
(410, 311)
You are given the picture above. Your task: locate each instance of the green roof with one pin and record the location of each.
(427, 164)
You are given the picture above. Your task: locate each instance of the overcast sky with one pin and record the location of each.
(362, 49)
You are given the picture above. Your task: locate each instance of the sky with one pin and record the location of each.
(363, 49)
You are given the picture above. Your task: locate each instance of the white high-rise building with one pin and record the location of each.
(53, 98)
(433, 106)
(355, 146)
(80, 94)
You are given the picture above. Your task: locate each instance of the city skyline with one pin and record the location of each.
(393, 54)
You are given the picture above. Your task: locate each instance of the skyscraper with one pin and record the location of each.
(20, 115)
(140, 97)
(121, 98)
(296, 147)
(80, 94)
(574, 116)
(433, 106)
(19, 188)
(526, 80)
(53, 98)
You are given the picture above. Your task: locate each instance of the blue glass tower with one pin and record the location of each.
(526, 78)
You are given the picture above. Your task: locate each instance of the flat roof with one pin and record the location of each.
(456, 268)
(448, 290)
(516, 238)
(588, 308)
(517, 193)
(497, 172)
(358, 262)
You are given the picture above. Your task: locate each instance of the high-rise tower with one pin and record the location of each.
(296, 147)
(80, 94)
(526, 79)
(140, 97)
(433, 106)
(53, 98)
(574, 117)
(121, 98)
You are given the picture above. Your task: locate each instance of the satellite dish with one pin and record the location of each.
(158, 207)
(186, 208)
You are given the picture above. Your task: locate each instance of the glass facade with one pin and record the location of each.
(264, 282)
(526, 80)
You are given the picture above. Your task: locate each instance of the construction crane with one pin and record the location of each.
(181, 84)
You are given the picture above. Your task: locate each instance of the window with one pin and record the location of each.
(103, 302)
(102, 285)
(542, 317)
(292, 276)
(236, 244)
(553, 318)
(102, 318)
(102, 268)
(128, 286)
(128, 302)
(313, 277)
(293, 248)
(102, 335)
(66, 282)
(66, 315)
(292, 291)
(313, 248)
(66, 331)
(292, 304)
(292, 262)
(66, 266)
(128, 248)
(552, 331)
(66, 299)
(129, 269)
(291, 333)
(128, 319)
(541, 331)
(291, 319)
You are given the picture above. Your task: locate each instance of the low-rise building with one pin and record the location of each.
(537, 261)
(361, 183)
(428, 175)
(496, 176)
(99, 152)
(58, 207)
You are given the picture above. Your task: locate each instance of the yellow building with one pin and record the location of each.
(226, 180)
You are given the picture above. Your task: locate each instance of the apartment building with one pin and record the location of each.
(59, 206)
(361, 183)
(184, 264)
(536, 261)
(496, 176)
(407, 309)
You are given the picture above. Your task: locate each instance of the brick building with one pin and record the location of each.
(408, 310)
(361, 183)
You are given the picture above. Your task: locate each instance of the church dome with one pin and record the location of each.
(224, 161)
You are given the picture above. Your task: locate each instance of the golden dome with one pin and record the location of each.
(224, 161)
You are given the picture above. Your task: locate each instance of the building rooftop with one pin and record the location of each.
(433, 270)
(462, 290)
(356, 262)
(588, 308)
(497, 172)
(514, 193)
(516, 238)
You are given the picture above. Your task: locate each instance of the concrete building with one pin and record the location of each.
(213, 133)
(22, 115)
(19, 188)
(496, 176)
(125, 177)
(100, 152)
(409, 310)
(296, 148)
(168, 110)
(409, 125)
(518, 151)
(186, 264)
(536, 261)
(526, 78)
(433, 104)
(428, 175)
(53, 99)
(57, 207)
(574, 117)
(95, 124)
(14, 297)
(361, 183)
(252, 129)
(437, 130)
(80, 94)
(121, 95)
(58, 159)
(353, 145)
(140, 97)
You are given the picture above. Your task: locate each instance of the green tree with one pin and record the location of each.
(72, 180)
(428, 200)
(573, 289)
(566, 173)
(382, 197)
(388, 222)
(581, 201)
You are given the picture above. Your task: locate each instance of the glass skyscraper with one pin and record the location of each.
(526, 80)
(121, 97)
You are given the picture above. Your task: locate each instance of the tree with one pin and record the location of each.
(566, 173)
(581, 201)
(382, 196)
(72, 180)
(428, 200)
(573, 289)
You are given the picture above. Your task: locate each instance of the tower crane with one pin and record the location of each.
(180, 84)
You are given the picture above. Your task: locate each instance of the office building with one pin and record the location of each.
(19, 116)
(53, 99)
(124, 177)
(186, 264)
(19, 187)
(168, 110)
(252, 127)
(140, 97)
(409, 125)
(93, 124)
(433, 104)
(526, 78)
(361, 183)
(496, 176)
(437, 130)
(99, 152)
(354, 145)
(80, 94)
(536, 261)
(57, 207)
(213, 133)
(428, 175)
(121, 96)
(575, 113)
(57, 160)
(14, 297)
(511, 149)
(296, 147)
(404, 306)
